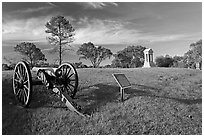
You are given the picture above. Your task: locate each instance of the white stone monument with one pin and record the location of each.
(198, 65)
(148, 55)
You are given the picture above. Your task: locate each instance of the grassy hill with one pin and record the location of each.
(160, 101)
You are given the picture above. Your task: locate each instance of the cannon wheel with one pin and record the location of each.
(22, 83)
(70, 77)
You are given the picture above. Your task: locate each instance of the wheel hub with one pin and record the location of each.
(21, 84)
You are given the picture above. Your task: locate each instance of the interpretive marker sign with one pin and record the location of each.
(123, 82)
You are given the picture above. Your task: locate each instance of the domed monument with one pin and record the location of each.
(148, 55)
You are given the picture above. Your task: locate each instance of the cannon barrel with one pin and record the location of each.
(50, 71)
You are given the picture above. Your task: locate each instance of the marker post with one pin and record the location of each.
(122, 93)
(123, 82)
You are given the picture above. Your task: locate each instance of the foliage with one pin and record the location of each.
(116, 63)
(132, 56)
(178, 62)
(5, 67)
(8, 66)
(107, 66)
(79, 65)
(31, 53)
(61, 34)
(196, 49)
(166, 61)
(95, 54)
(12, 66)
(194, 55)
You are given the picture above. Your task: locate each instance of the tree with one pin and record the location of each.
(189, 60)
(194, 55)
(162, 61)
(61, 34)
(31, 53)
(178, 61)
(95, 54)
(132, 56)
(196, 49)
(5, 67)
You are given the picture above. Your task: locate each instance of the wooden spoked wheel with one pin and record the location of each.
(22, 83)
(70, 78)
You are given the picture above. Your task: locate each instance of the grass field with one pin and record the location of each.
(160, 101)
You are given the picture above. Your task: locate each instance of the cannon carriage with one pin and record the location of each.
(63, 81)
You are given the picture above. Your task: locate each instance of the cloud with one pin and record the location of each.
(24, 29)
(31, 10)
(98, 31)
(115, 32)
(52, 4)
(30, 29)
(166, 37)
(98, 5)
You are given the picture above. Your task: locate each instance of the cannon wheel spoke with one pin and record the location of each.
(22, 83)
(70, 76)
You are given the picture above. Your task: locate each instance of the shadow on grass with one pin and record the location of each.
(41, 97)
(96, 96)
(147, 92)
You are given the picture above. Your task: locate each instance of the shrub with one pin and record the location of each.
(166, 61)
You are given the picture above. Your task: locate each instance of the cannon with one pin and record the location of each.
(63, 81)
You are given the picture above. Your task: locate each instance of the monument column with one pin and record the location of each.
(148, 54)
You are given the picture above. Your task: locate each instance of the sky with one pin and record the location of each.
(167, 28)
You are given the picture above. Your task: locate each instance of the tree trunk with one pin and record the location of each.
(31, 62)
(60, 52)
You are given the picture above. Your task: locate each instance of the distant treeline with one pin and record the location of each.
(129, 57)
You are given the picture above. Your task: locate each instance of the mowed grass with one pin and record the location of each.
(160, 101)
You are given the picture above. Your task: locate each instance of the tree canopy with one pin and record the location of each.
(196, 49)
(31, 53)
(95, 54)
(61, 34)
(178, 61)
(194, 55)
(164, 61)
(132, 56)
